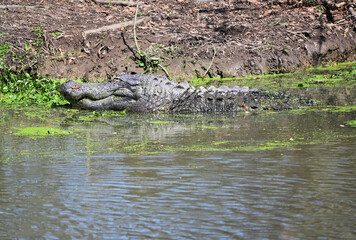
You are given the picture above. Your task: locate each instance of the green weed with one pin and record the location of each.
(39, 35)
(351, 123)
(56, 34)
(39, 132)
(18, 84)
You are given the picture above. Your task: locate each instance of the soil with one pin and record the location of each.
(83, 39)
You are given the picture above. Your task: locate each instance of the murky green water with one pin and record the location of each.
(289, 175)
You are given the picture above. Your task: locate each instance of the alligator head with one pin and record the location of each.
(150, 93)
(135, 93)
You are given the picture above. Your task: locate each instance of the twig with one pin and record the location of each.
(164, 70)
(211, 63)
(299, 34)
(122, 3)
(128, 46)
(134, 28)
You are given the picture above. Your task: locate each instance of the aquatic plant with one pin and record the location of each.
(27, 89)
(351, 123)
(22, 85)
(39, 132)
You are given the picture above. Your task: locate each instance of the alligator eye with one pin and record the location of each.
(123, 92)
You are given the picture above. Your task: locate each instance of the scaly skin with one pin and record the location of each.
(156, 94)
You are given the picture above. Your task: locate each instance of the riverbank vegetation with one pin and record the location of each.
(20, 81)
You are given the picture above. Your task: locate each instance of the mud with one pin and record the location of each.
(191, 38)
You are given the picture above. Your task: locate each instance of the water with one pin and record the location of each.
(266, 176)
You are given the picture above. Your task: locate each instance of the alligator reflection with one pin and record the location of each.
(149, 134)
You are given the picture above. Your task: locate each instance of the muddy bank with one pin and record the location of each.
(86, 40)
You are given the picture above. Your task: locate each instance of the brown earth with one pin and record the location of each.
(87, 40)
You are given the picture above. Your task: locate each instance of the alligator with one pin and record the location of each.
(156, 94)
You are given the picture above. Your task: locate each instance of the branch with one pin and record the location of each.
(115, 26)
(16, 6)
(211, 63)
(134, 28)
(122, 3)
(165, 71)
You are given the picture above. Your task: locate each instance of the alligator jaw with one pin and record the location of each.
(107, 96)
(109, 103)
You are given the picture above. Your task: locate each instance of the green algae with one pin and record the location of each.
(340, 75)
(37, 132)
(265, 131)
(221, 143)
(289, 143)
(186, 133)
(144, 148)
(86, 116)
(351, 123)
(210, 127)
(161, 122)
(157, 147)
(41, 114)
(317, 109)
(338, 109)
(271, 146)
(332, 109)
(230, 147)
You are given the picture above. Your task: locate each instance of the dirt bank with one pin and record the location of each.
(84, 39)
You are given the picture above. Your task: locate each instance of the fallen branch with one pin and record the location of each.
(114, 26)
(122, 3)
(211, 63)
(134, 28)
(16, 6)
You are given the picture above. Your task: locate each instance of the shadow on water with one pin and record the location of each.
(287, 175)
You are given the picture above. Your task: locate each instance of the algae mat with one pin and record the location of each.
(135, 134)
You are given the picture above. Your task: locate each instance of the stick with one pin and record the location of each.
(122, 3)
(165, 71)
(16, 6)
(211, 63)
(115, 26)
(134, 28)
